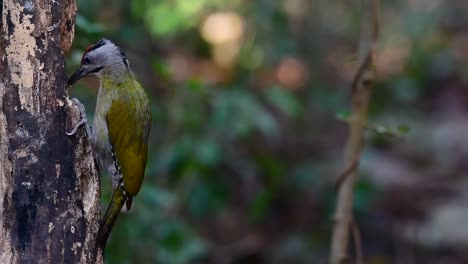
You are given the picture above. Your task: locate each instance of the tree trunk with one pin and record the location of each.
(49, 186)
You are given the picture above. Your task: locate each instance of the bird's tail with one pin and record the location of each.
(112, 212)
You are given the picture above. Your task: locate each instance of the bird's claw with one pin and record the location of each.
(83, 121)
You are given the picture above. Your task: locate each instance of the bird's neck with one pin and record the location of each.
(117, 73)
(112, 83)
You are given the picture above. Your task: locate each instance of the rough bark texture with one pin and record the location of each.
(49, 186)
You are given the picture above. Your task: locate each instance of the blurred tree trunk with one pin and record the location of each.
(49, 187)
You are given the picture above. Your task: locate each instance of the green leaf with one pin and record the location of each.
(403, 129)
(343, 115)
(384, 130)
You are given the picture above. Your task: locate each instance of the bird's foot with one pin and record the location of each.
(83, 121)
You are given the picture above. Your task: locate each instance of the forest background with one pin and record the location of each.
(249, 103)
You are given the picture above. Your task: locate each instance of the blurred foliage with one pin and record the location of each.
(249, 102)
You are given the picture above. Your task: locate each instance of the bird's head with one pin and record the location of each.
(102, 57)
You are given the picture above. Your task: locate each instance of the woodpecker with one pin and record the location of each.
(121, 126)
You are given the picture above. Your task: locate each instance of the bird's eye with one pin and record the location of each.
(86, 60)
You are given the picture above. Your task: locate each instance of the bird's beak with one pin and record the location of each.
(78, 74)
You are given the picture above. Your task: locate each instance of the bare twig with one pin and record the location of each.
(361, 90)
(359, 77)
(342, 176)
(357, 243)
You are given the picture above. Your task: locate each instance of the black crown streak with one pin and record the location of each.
(97, 45)
(124, 58)
(101, 43)
(94, 46)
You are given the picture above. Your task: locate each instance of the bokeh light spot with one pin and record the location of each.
(222, 27)
(292, 73)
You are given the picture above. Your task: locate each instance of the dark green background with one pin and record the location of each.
(243, 155)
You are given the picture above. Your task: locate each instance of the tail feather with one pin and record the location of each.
(128, 202)
(112, 212)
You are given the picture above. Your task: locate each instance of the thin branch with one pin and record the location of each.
(363, 68)
(342, 176)
(360, 96)
(357, 243)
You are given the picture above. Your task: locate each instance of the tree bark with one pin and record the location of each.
(49, 186)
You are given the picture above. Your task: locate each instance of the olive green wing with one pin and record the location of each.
(128, 135)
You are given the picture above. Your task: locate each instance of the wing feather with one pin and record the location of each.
(127, 136)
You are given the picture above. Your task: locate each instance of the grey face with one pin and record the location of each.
(100, 58)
